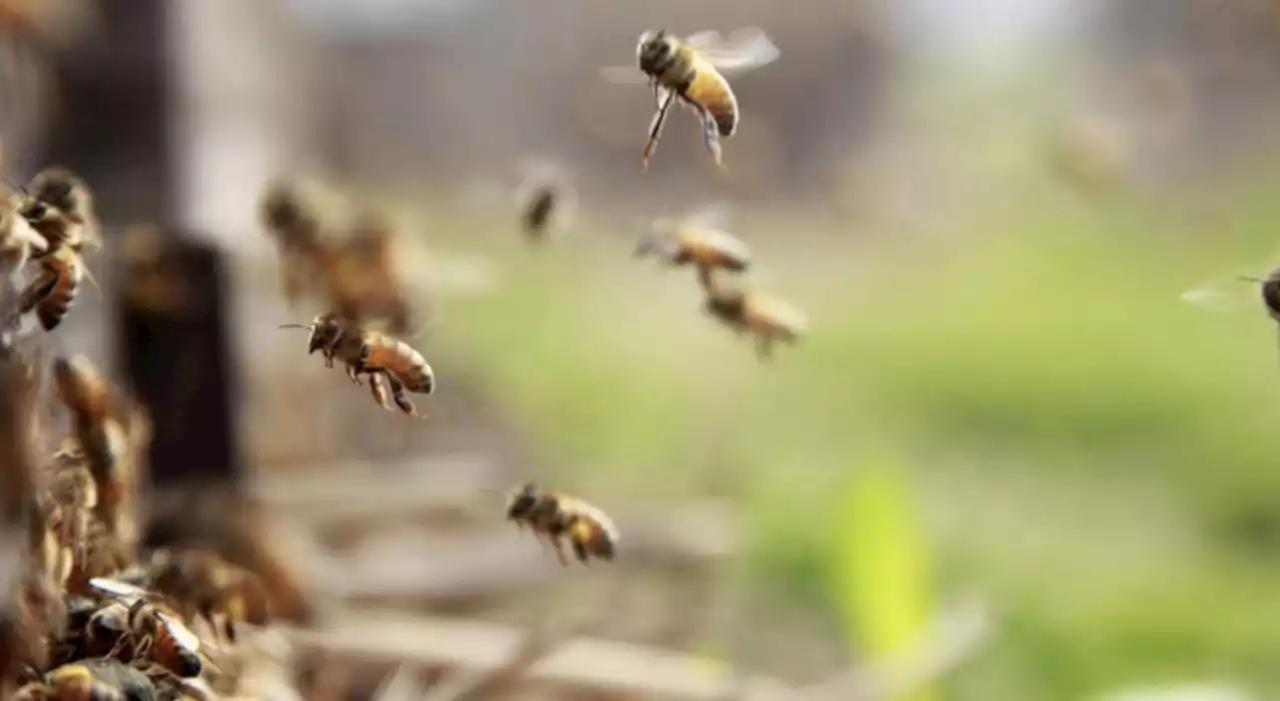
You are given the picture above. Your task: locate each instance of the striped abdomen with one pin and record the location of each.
(400, 360)
(710, 91)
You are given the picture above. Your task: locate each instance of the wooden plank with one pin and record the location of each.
(582, 663)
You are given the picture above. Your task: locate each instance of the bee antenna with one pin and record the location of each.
(1246, 278)
(295, 326)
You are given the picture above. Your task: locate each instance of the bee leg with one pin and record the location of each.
(379, 391)
(711, 137)
(764, 348)
(559, 546)
(581, 551)
(664, 98)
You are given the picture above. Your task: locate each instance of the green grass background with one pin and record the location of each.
(1016, 404)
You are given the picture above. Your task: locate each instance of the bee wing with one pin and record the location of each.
(118, 589)
(713, 215)
(24, 232)
(181, 634)
(779, 311)
(728, 243)
(745, 49)
(1234, 291)
(624, 75)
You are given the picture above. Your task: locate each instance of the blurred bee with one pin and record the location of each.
(693, 69)
(1241, 290)
(768, 319)
(152, 633)
(547, 201)
(368, 352)
(697, 240)
(557, 518)
(75, 493)
(53, 291)
(61, 209)
(204, 585)
(295, 227)
(34, 616)
(360, 274)
(101, 435)
(90, 680)
(19, 241)
(104, 556)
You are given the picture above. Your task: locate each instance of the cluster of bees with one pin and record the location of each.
(92, 617)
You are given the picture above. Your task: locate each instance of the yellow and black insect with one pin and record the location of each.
(559, 518)
(696, 240)
(768, 319)
(382, 357)
(693, 69)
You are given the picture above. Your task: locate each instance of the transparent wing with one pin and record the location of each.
(1233, 291)
(118, 589)
(782, 311)
(745, 49)
(624, 75)
(712, 215)
(727, 242)
(180, 632)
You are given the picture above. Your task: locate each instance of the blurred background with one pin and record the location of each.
(987, 209)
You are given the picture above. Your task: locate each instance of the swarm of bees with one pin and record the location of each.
(92, 617)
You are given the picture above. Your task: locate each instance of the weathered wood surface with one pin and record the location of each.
(469, 647)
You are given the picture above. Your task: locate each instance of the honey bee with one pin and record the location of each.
(102, 428)
(18, 241)
(547, 201)
(204, 585)
(693, 69)
(90, 680)
(697, 240)
(76, 495)
(768, 319)
(291, 222)
(150, 632)
(1240, 290)
(53, 291)
(368, 352)
(360, 275)
(557, 518)
(61, 209)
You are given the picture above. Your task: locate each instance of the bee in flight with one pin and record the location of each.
(546, 199)
(768, 319)
(383, 358)
(1240, 290)
(557, 518)
(693, 69)
(697, 240)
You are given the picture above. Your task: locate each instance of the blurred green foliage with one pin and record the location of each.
(1094, 455)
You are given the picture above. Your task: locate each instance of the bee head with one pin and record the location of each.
(324, 329)
(521, 501)
(62, 189)
(107, 624)
(654, 49)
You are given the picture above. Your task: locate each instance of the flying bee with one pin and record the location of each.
(697, 239)
(152, 633)
(768, 319)
(557, 518)
(693, 69)
(546, 199)
(1241, 290)
(61, 209)
(205, 585)
(53, 291)
(360, 274)
(290, 220)
(367, 352)
(90, 680)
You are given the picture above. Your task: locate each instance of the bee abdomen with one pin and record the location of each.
(55, 306)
